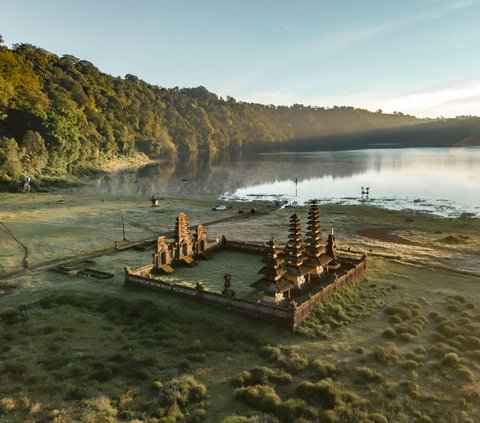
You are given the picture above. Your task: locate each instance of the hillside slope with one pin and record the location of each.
(62, 115)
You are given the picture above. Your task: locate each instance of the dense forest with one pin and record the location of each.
(62, 115)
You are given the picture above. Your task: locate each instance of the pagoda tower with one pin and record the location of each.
(294, 254)
(183, 239)
(162, 258)
(273, 283)
(331, 251)
(315, 251)
(200, 238)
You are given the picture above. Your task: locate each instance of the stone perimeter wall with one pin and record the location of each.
(290, 316)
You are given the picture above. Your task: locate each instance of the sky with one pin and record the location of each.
(420, 57)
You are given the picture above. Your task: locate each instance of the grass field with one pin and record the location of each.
(404, 346)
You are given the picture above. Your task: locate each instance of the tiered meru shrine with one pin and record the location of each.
(295, 277)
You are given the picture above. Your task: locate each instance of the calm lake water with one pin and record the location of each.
(437, 180)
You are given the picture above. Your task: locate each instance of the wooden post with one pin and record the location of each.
(123, 227)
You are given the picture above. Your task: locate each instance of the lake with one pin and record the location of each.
(444, 181)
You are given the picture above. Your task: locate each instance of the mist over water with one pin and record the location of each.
(437, 180)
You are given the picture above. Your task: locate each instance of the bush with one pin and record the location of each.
(420, 350)
(368, 374)
(270, 353)
(7, 405)
(295, 408)
(465, 373)
(474, 355)
(395, 319)
(262, 376)
(440, 349)
(288, 359)
(259, 396)
(405, 328)
(406, 337)
(472, 343)
(409, 364)
(323, 368)
(386, 354)
(446, 328)
(99, 409)
(402, 312)
(377, 418)
(322, 393)
(181, 392)
(389, 333)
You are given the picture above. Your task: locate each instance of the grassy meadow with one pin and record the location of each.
(402, 346)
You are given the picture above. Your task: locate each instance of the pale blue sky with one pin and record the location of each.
(415, 56)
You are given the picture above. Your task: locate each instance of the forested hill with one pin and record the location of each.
(59, 115)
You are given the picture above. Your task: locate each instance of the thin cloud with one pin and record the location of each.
(457, 98)
(340, 41)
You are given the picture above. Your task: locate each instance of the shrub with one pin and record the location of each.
(450, 359)
(463, 321)
(437, 337)
(406, 337)
(465, 373)
(323, 368)
(99, 409)
(368, 374)
(389, 333)
(295, 408)
(322, 393)
(259, 396)
(157, 385)
(386, 354)
(262, 376)
(402, 312)
(7, 405)
(420, 350)
(446, 328)
(395, 319)
(409, 364)
(407, 328)
(288, 359)
(440, 349)
(377, 418)
(270, 353)
(472, 343)
(454, 307)
(471, 394)
(181, 391)
(474, 355)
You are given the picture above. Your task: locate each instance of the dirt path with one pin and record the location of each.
(25, 249)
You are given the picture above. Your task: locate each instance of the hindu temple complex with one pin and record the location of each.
(294, 277)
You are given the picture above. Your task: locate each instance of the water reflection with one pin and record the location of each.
(448, 177)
